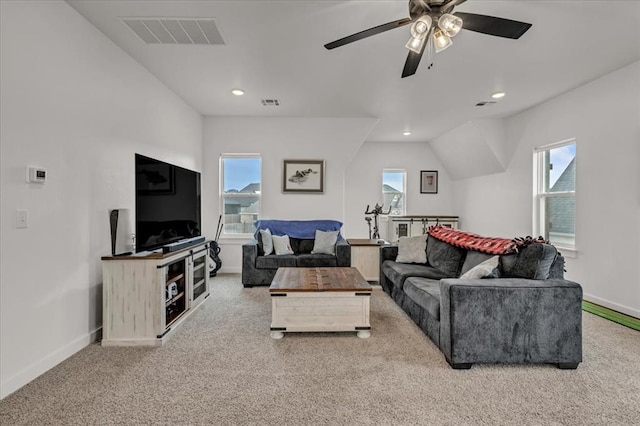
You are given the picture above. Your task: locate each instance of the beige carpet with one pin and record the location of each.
(222, 368)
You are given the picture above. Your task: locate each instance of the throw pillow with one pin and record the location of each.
(412, 249)
(444, 257)
(506, 263)
(325, 242)
(267, 243)
(281, 244)
(534, 261)
(557, 268)
(482, 270)
(474, 258)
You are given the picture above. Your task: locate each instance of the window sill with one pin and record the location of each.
(235, 239)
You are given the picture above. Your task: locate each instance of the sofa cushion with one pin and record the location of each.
(301, 245)
(474, 258)
(325, 242)
(281, 244)
(412, 249)
(424, 292)
(533, 262)
(273, 261)
(397, 272)
(483, 270)
(316, 260)
(444, 257)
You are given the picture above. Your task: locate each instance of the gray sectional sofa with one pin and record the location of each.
(259, 269)
(524, 311)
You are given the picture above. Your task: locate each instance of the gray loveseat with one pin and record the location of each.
(259, 269)
(523, 312)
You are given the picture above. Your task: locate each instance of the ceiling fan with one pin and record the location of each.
(433, 25)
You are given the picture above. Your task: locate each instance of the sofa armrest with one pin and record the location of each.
(250, 248)
(343, 253)
(249, 256)
(511, 320)
(387, 252)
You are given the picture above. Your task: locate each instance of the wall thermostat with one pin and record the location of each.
(36, 174)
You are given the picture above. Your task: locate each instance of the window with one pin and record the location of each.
(555, 193)
(240, 191)
(393, 191)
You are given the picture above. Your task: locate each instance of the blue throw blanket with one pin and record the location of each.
(298, 228)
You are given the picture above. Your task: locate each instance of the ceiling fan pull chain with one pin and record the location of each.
(430, 49)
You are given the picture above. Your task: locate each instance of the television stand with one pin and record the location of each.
(146, 297)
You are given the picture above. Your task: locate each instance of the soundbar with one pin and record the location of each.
(179, 245)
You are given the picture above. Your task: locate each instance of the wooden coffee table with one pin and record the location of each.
(319, 299)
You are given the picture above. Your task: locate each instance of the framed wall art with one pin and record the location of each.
(303, 176)
(428, 181)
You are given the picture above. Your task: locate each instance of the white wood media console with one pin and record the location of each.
(146, 297)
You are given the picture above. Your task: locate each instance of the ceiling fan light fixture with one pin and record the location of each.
(421, 27)
(419, 31)
(441, 40)
(450, 24)
(237, 92)
(415, 44)
(498, 95)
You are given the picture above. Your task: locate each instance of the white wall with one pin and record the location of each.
(364, 183)
(604, 117)
(476, 148)
(334, 140)
(73, 103)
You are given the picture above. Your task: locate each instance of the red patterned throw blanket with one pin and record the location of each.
(475, 242)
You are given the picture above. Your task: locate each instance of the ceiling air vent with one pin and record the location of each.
(270, 102)
(485, 103)
(175, 30)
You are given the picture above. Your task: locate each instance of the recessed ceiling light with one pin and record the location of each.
(498, 95)
(238, 92)
(406, 133)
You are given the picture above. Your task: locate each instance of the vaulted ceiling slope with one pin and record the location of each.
(274, 50)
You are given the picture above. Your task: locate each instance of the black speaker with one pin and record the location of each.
(121, 234)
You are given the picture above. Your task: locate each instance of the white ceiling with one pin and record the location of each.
(274, 49)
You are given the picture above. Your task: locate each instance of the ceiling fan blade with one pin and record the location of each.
(492, 25)
(447, 6)
(412, 62)
(368, 33)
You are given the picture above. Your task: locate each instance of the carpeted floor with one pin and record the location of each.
(222, 368)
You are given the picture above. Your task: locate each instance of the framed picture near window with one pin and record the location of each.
(428, 181)
(303, 176)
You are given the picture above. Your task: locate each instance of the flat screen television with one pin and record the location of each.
(167, 203)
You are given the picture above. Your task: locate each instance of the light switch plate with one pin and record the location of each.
(22, 217)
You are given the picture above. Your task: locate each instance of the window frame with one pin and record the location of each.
(542, 193)
(404, 190)
(222, 195)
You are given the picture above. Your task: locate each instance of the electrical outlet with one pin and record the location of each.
(22, 219)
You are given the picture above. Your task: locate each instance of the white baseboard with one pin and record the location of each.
(45, 364)
(231, 270)
(611, 305)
